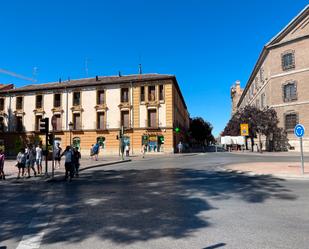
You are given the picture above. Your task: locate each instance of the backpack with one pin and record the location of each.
(95, 149)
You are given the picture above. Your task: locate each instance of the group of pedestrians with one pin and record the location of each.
(71, 162)
(27, 158)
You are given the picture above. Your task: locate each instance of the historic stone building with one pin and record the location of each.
(148, 106)
(280, 78)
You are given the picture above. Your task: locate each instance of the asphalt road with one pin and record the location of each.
(172, 202)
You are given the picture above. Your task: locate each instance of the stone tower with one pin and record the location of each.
(236, 92)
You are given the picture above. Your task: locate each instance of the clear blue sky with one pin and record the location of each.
(206, 44)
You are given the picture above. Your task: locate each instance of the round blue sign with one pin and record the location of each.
(299, 130)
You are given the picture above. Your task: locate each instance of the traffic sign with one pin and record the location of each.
(244, 129)
(299, 130)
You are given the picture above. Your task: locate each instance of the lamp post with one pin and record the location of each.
(70, 129)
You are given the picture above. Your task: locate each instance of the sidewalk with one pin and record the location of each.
(11, 170)
(278, 169)
(266, 153)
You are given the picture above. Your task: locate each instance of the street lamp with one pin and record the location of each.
(70, 129)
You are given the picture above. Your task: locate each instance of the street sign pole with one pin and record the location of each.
(301, 155)
(299, 132)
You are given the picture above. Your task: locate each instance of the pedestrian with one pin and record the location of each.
(76, 157)
(143, 150)
(21, 161)
(2, 175)
(69, 171)
(30, 159)
(95, 151)
(127, 149)
(38, 158)
(180, 147)
(91, 151)
(57, 155)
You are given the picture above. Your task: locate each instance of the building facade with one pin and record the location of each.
(147, 106)
(280, 78)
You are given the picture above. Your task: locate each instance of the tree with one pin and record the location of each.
(201, 131)
(261, 122)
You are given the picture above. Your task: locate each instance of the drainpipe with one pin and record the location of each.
(132, 118)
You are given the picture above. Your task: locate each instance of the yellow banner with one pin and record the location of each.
(244, 130)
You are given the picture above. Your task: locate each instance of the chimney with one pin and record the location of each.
(119, 73)
(96, 78)
(59, 80)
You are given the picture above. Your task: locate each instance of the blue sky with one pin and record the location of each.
(206, 44)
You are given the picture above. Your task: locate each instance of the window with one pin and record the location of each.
(39, 101)
(19, 103)
(101, 97)
(152, 118)
(125, 119)
(142, 97)
(161, 92)
(100, 121)
(151, 93)
(256, 82)
(2, 104)
(263, 100)
(76, 121)
(257, 104)
(289, 92)
(124, 95)
(58, 126)
(37, 122)
(19, 124)
(76, 98)
(57, 100)
(262, 75)
(290, 121)
(288, 61)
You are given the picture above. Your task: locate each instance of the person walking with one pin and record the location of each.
(76, 156)
(57, 155)
(38, 158)
(95, 151)
(68, 153)
(180, 147)
(30, 160)
(21, 161)
(144, 149)
(127, 149)
(2, 175)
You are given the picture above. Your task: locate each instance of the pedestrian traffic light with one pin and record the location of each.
(44, 125)
(177, 129)
(161, 139)
(50, 139)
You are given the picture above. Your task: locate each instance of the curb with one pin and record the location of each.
(56, 178)
(251, 173)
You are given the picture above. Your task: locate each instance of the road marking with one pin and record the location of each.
(38, 223)
(31, 241)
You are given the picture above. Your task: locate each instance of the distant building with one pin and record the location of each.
(148, 106)
(280, 78)
(236, 93)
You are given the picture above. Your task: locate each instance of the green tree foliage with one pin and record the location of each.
(201, 131)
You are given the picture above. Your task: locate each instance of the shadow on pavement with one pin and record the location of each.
(127, 206)
(215, 246)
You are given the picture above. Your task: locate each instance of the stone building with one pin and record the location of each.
(280, 78)
(148, 106)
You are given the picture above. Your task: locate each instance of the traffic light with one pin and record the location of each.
(44, 125)
(50, 139)
(161, 139)
(177, 129)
